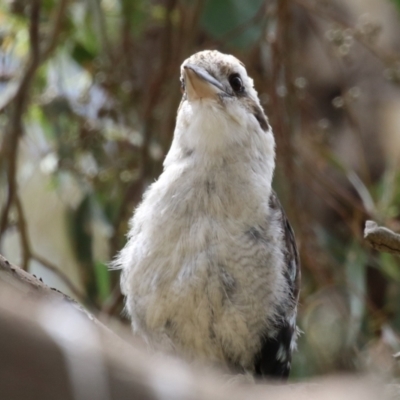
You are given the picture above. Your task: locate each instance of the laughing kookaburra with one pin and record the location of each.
(210, 269)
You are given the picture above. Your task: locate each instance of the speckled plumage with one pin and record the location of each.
(210, 270)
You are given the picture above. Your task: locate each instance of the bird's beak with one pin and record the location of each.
(200, 84)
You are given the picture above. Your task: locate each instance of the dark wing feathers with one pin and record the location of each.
(267, 363)
(274, 358)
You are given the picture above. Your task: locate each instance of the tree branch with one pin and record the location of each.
(50, 347)
(51, 267)
(19, 99)
(381, 238)
(23, 232)
(28, 253)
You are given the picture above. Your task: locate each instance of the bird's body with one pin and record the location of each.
(210, 269)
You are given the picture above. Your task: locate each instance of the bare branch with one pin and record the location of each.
(55, 31)
(381, 238)
(28, 254)
(18, 102)
(16, 277)
(14, 129)
(23, 232)
(47, 264)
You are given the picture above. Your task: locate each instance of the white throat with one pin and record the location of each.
(212, 132)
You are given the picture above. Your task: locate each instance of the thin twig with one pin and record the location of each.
(55, 30)
(19, 100)
(325, 179)
(37, 57)
(23, 232)
(100, 26)
(50, 266)
(28, 254)
(14, 129)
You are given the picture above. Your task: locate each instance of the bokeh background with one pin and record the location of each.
(88, 96)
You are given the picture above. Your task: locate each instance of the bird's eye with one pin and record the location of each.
(182, 85)
(236, 83)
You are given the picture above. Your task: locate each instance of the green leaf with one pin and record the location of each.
(35, 114)
(82, 29)
(136, 13)
(102, 280)
(389, 265)
(82, 55)
(79, 222)
(231, 20)
(397, 3)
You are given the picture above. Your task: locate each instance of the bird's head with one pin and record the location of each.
(220, 109)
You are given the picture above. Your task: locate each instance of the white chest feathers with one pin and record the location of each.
(202, 269)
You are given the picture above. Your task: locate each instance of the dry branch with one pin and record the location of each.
(17, 278)
(381, 238)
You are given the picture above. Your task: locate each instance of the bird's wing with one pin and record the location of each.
(274, 358)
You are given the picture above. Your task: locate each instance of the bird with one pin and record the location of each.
(210, 269)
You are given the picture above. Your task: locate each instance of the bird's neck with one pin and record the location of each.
(206, 137)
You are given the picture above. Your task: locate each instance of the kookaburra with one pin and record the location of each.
(210, 268)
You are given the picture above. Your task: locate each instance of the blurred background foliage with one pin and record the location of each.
(88, 96)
